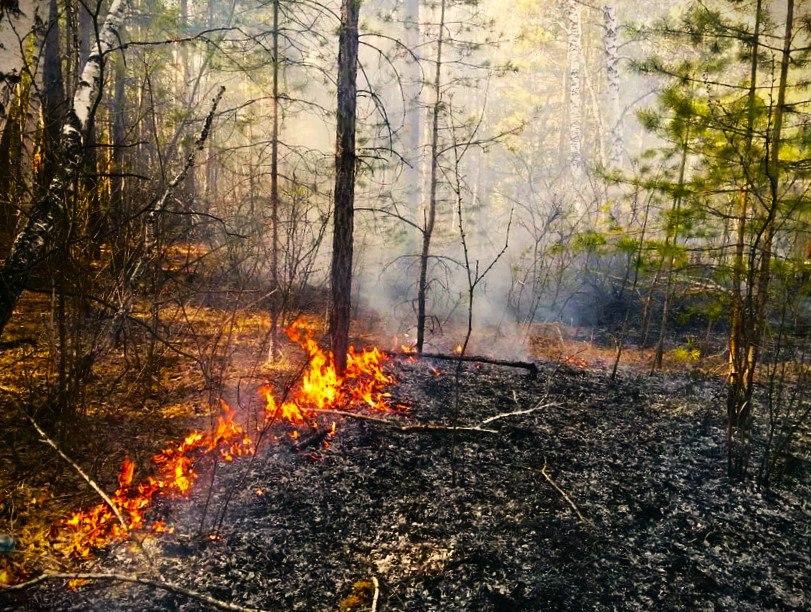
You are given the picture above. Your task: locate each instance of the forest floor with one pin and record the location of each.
(610, 496)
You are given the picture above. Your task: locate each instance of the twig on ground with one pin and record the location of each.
(397, 426)
(505, 415)
(135, 579)
(80, 471)
(376, 595)
(526, 365)
(313, 439)
(563, 494)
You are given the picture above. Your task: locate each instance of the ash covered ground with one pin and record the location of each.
(642, 460)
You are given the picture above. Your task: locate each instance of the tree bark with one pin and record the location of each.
(118, 133)
(737, 342)
(741, 385)
(611, 30)
(32, 244)
(17, 22)
(575, 62)
(413, 111)
(274, 192)
(429, 213)
(53, 99)
(345, 166)
(89, 180)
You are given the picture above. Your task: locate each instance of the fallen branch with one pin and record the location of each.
(505, 415)
(313, 439)
(376, 595)
(134, 579)
(80, 471)
(419, 428)
(568, 499)
(526, 365)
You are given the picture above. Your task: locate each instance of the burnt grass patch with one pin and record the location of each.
(642, 460)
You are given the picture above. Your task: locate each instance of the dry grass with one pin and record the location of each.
(126, 409)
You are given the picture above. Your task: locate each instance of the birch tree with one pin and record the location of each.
(32, 245)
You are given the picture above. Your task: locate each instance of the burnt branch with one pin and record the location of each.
(134, 579)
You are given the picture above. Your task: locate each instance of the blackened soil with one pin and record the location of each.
(642, 461)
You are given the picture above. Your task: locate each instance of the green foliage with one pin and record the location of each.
(589, 241)
(627, 244)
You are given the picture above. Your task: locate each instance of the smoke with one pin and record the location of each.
(508, 106)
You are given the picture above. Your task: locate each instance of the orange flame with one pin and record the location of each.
(174, 475)
(362, 385)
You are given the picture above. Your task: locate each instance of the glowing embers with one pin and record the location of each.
(174, 475)
(363, 383)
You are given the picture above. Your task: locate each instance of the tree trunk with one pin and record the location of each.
(737, 343)
(413, 111)
(575, 110)
(741, 385)
(17, 21)
(274, 192)
(89, 180)
(53, 100)
(11, 155)
(611, 30)
(345, 165)
(660, 344)
(31, 245)
(429, 213)
(118, 134)
(190, 182)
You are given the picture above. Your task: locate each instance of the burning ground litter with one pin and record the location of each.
(643, 461)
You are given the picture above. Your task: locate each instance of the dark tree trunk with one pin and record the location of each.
(11, 167)
(430, 209)
(345, 164)
(53, 100)
(89, 179)
(741, 383)
(118, 136)
(274, 191)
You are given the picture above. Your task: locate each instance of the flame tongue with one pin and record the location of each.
(174, 475)
(362, 386)
(321, 388)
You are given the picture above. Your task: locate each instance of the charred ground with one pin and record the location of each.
(642, 459)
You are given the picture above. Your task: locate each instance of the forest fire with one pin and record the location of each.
(174, 475)
(321, 388)
(578, 233)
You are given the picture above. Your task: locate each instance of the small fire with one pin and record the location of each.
(363, 384)
(174, 475)
(458, 349)
(575, 361)
(174, 469)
